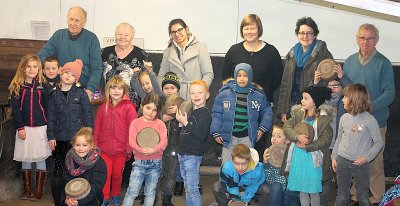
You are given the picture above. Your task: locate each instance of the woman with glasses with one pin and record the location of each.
(186, 57)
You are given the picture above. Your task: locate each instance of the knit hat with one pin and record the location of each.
(318, 94)
(247, 68)
(170, 78)
(73, 67)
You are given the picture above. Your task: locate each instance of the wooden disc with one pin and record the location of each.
(306, 129)
(77, 188)
(237, 203)
(173, 99)
(148, 137)
(186, 106)
(277, 153)
(327, 69)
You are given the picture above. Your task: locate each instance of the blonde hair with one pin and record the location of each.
(141, 75)
(241, 151)
(358, 99)
(114, 82)
(251, 19)
(201, 83)
(87, 133)
(19, 77)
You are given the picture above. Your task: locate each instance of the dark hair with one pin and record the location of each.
(51, 59)
(358, 99)
(309, 22)
(173, 22)
(151, 97)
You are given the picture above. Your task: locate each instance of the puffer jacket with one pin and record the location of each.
(319, 53)
(67, 115)
(111, 129)
(223, 112)
(324, 133)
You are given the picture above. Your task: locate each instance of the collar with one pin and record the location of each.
(365, 59)
(73, 38)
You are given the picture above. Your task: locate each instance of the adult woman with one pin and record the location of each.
(123, 59)
(301, 63)
(264, 58)
(186, 57)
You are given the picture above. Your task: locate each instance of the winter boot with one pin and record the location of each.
(40, 179)
(166, 200)
(27, 181)
(178, 190)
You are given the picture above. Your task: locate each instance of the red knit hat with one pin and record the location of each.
(73, 67)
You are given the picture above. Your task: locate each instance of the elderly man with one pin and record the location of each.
(372, 69)
(77, 43)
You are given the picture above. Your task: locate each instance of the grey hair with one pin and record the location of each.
(127, 25)
(369, 27)
(82, 9)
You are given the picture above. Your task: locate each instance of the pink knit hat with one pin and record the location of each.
(73, 67)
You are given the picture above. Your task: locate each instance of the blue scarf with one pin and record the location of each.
(300, 56)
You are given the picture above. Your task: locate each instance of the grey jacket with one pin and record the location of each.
(319, 53)
(194, 65)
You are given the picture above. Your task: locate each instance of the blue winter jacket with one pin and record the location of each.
(223, 112)
(67, 115)
(247, 182)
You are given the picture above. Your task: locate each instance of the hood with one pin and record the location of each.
(324, 109)
(254, 159)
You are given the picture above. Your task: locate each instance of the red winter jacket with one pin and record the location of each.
(111, 129)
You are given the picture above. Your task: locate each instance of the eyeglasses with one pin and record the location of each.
(363, 38)
(308, 34)
(179, 31)
(334, 85)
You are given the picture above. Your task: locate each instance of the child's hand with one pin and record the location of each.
(300, 145)
(219, 140)
(303, 139)
(266, 155)
(166, 118)
(172, 109)
(71, 201)
(360, 161)
(52, 144)
(136, 69)
(148, 66)
(317, 76)
(284, 118)
(259, 135)
(148, 151)
(339, 70)
(22, 134)
(181, 117)
(334, 165)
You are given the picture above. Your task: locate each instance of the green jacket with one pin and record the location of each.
(324, 132)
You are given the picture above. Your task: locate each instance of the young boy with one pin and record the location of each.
(68, 111)
(242, 104)
(170, 86)
(51, 72)
(241, 178)
(192, 140)
(276, 182)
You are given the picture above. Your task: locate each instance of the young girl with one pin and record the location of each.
(111, 134)
(144, 82)
(69, 109)
(29, 100)
(359, 142)
(309, 167)
(84, 161)
(147, 165)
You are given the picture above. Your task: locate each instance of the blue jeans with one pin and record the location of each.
(147, 171)
(276, 194)
(292, 198)
(190, 171)
(345, 170)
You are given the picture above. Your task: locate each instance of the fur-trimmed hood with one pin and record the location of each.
(324, 109)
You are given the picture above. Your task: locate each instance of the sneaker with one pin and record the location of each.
(116, 200)
(105, 203)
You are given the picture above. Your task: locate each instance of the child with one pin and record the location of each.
(359, 142)
(242, 104)
(111, 134)
(84, 161)
(276, 182)
(170, 85)
(69, 110)
(29, 100)
(51, 72)
(310, 162)
(241, 177)
(147, 165)
(192, 140)
(144, 82)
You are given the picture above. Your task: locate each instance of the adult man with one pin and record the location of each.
(370, 68)
(77, 43)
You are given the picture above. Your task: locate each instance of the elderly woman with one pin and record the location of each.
(124, 59)
(186, 57)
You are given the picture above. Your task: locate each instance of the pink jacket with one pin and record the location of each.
(139, 124)
(111, 129)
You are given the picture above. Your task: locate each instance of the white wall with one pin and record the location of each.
(214, 22)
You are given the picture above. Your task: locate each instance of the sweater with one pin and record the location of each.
(86, 48)
(139, 124)
(266, 64)
(193, 136)
(359, 136)
(377, 76)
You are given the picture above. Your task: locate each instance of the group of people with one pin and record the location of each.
(53, 117)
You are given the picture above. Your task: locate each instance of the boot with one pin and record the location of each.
(40, 178)
(178, 190)
(166, 200)
(27, 181)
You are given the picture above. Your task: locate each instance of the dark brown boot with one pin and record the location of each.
(27, 181)
(40, 178)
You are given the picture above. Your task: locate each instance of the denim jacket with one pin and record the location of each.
(223, 112)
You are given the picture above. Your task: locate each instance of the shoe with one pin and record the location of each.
(27, 181)
(105, 203)
(166, 200)
(116, 200)
(353, 203)
(40, 179)
(178, 190)
(200, 189)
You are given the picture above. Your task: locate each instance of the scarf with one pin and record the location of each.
(300, 56)
(86, 163)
